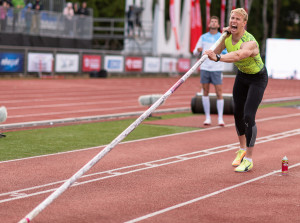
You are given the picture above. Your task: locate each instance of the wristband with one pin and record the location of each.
(218, 57)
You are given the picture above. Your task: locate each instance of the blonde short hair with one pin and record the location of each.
(240, 11)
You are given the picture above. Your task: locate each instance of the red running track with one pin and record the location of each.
(177, 178)
(39, 100)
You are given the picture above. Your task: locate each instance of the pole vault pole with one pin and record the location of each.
(117, 140)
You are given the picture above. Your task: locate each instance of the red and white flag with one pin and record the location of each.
(223, 6)
(196, 23)
(246, 6)
(233, 4)
(207, 14)
(173, 22)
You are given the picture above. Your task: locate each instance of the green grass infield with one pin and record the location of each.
(35, 142)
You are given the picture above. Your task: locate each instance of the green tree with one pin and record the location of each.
(288, 23)
(284, 22)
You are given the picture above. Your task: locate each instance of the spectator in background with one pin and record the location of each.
(130, 21)
(3, 15)
(68, 14)
(69, 11)
(28, 18)
(18, 5)
(39, 4)
(83, 12)
(35, 25)
(9, 3)
(138, 14)
(76, 8)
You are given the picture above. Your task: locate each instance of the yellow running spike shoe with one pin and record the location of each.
(239, 157)
(245, 166)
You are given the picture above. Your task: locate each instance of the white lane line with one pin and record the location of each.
(142, 166)
(73, 111)
(88, 118)
(100, 101)
(50, 96)
(46, 99)
(150, 215)
(87, 110)
(80, 98)
(281, 99)
(153, 138)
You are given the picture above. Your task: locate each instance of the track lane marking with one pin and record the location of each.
(152, 138)
(150, 215)
(90, 110)
(77, 102)
(142, 166)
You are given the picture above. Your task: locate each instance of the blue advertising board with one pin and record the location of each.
(11, 62)
(114, 63)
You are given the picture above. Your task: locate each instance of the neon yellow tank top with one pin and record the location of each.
(249, 65)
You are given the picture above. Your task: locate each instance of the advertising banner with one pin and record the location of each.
(152, 65)
(11, 62)
(67, 63)
(228, 67)
(133, 64)
(169, 65)
(114, 63)
(40, 62)
(91, 63)
(183, 65)
(279, 66)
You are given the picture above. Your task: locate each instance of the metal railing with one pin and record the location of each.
(114, 33)
(105, 32)
(116, 28)
(53, 5)
(108, 28)
(46, 23)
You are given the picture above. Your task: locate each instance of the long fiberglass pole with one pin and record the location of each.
(117, 140)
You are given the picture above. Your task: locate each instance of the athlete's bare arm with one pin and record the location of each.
(248, 49)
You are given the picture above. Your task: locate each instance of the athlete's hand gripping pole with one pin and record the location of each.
(119, 138)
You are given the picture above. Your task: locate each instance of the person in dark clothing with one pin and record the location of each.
(76, 8)
(18, 5)
(130, 21)
(28, 18)
(38, 2)
(83, 12)
(8, 2)
(3, 15)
